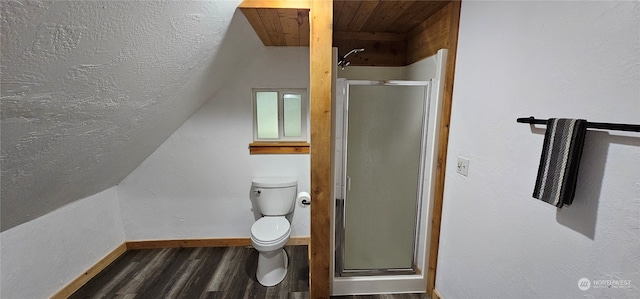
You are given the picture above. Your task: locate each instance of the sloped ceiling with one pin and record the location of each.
(90, 89)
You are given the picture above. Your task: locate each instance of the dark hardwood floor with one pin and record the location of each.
(215, 272)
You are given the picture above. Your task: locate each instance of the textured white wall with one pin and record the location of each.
(197, 183)
(547, 59)
(90, 89)
(43, 255)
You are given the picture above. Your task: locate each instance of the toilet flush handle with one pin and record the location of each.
(257, 192)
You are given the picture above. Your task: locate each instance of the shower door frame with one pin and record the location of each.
(342, 183)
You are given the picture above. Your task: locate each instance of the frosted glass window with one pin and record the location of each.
(292, 115)
(280, 115)
(267, 114)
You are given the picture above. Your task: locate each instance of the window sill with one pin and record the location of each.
(258, 148)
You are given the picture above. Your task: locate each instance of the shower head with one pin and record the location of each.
(353, 52)
(343, 62)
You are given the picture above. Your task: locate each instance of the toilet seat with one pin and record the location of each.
(270, 230)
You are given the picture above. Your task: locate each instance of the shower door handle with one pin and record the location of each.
(348, 183)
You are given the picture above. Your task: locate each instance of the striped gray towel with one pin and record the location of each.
(561, 152)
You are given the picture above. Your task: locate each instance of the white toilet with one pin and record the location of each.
(275, 198)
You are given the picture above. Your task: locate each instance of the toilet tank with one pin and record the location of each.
(275, 196)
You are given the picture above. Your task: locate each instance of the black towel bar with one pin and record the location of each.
(590, 125)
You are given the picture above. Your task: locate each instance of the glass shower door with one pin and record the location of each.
(382, 170)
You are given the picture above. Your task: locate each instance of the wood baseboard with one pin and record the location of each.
(77, 283)
(435, 294)
(299, 241)
(229, 242)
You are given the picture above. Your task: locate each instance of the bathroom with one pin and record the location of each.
(197, 183)
(179, 166)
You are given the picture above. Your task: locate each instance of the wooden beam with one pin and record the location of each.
(454, 22)
(321, 19)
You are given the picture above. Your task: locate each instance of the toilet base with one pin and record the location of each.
(272, 267)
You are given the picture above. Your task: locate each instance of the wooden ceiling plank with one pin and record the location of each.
(290, 27)
(303, 27)
(271, 22)
(379, 13)
(256, 22)
(349, 10)
(282, 26)
(364, 11)
(433, 19)
(397, 13)
(410, 16)
(370, 36)
(416, 14)
(430, 36)
(436, 7)
(337, 10)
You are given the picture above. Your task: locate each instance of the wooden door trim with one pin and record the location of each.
(452, 46)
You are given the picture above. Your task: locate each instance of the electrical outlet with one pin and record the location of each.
(463, 166)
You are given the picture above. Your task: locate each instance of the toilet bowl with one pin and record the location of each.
(269, 235)
(275, 198)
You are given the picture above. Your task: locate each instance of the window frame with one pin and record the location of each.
(304, 114)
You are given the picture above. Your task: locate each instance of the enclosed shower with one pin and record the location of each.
(386, 125)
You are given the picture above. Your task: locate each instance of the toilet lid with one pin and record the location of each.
(274, 182)
(270, 228)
